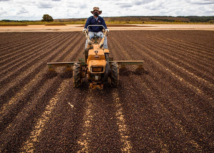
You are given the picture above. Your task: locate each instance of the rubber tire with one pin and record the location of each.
(114, 78)
(77, 80)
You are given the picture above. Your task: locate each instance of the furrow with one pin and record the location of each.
(185, 55)
(187, 38)
(19, 95)
(201, 73)
(175, 121)
(24, 59)
(121, 123)
(40, 91)
(84, 139)
(42, 121)
(36, 135)
(202, 48)
(187, 58)
(14, 86)
(65, 122)
(207, 108)
(23, 122)
(16, 37)
(26, 66)
(123, 130)
(128, 96)
(20, 52)
(188, 50)
(182, 50)
(21, 44)
(206, 87)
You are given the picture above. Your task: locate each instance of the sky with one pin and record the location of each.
(61, 9)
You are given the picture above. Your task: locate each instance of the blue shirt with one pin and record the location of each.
(93, 21)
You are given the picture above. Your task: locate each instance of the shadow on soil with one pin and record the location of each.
(64, 75)
(50, 74)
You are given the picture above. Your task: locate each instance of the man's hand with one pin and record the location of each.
(84, 30)
(107, 30)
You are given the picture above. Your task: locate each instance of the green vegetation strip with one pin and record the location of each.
(58, 24)
(13, 24)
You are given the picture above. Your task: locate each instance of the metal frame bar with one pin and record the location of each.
(69, 65)
(123, 63)
(128, 62)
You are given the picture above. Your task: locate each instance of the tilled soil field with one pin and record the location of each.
(167, 107)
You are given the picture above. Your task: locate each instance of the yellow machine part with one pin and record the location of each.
(106, 51)
(100, 54)
(93, 55)
(96, 64)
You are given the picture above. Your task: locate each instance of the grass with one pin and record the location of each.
(12, 24)
(38, 23)
(55, 24)
(153, 22)
(83, 22)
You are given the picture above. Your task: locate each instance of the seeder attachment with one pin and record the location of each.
(69, 65)
(123, 63)
(53, 65)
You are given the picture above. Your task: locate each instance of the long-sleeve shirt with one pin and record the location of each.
(93, 21)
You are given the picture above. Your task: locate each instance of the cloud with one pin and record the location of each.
(44, 4)
(34, 9)
(124, 5)
(22, 10)
(200, 2)
(76, 5)
(156, 5)
(138, 2)
(2, 12)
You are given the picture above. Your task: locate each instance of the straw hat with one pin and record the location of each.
(96, 8)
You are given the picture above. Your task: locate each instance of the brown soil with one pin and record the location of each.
(13, 25)
(79, 27)
(121, 25)
(55, 25)
(167, 107)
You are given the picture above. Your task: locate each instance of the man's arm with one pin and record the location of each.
(104, 24)
(87, 22)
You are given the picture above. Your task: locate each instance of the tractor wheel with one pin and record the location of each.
(77, 75)
(114, 79)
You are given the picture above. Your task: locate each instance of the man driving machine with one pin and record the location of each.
(96, 30)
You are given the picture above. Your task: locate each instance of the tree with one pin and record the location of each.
(47, 18)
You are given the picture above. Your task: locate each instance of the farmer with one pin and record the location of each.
(96, 30)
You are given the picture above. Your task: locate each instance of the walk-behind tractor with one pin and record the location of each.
(97, 66)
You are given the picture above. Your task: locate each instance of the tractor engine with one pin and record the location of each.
(96, 66)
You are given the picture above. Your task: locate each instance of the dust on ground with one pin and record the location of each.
(79, 27)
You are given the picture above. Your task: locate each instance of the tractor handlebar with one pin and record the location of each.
(105, 33)
(86, 31)
(95, 26)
